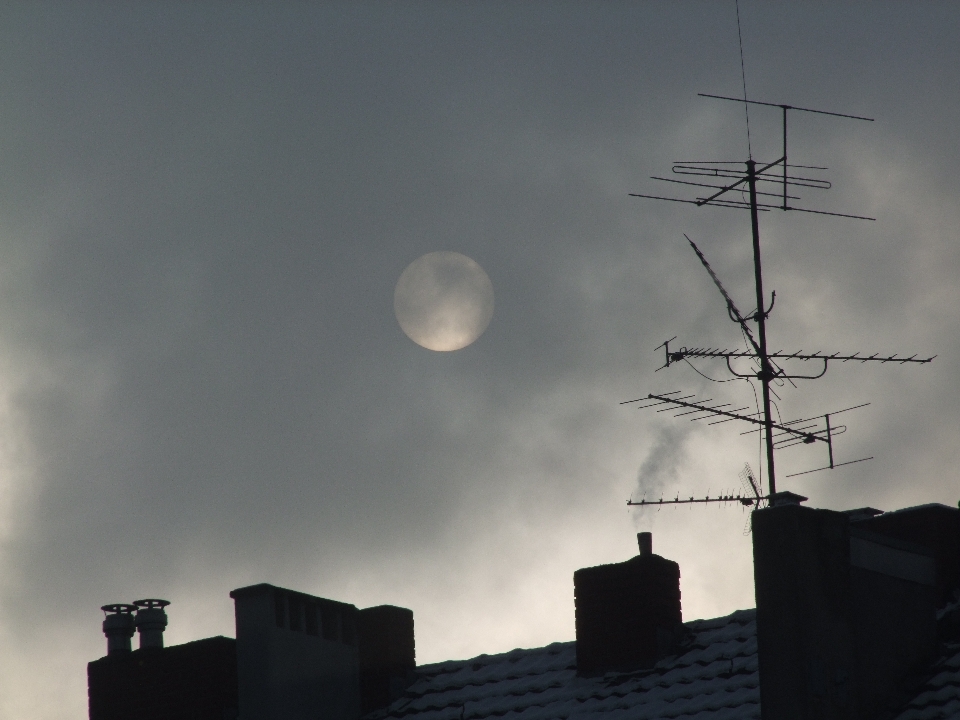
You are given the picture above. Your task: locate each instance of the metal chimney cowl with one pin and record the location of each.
(151, 621)
(118, 626)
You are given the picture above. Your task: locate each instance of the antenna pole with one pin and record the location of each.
(766, 370)
(721, 184)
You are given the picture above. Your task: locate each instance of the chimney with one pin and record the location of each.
(645, 541)
(387, 655)
(844, 615)
(935, 527)
(627, 614)
(297, 656)
(118, 626)
(151, 621)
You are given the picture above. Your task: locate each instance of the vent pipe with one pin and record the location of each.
(151, 621)
(118, 627)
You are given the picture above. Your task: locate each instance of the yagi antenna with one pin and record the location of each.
(749, 482)
(784, 178)
(769, 186)
(750, 496)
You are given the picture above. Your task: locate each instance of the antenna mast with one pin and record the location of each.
(777, 179)
(766, 371)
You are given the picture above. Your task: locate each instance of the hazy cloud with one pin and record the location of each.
(204, 212)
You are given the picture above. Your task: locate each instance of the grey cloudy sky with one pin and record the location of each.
(204, 209)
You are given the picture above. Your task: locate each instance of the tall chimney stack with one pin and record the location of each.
(118, 627)
(151, 621)
(846, 617)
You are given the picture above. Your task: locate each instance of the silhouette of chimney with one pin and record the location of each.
(151, 621)
(387, 655)
(118, 625)
(645, 541)
(627, 614)
(297, 655)
(846, 616)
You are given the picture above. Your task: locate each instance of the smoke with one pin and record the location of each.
(662, 465)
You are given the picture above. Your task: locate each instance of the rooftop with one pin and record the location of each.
(712, 677)
(940, 695)
(859, 617)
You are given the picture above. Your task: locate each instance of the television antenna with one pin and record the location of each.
(750, 496)
(768, 186)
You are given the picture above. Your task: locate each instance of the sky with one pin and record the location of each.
(205, 209)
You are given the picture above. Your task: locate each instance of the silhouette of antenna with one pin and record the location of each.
(769, 186)
(749, 496)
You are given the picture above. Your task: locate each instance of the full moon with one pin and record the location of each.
(443, 301)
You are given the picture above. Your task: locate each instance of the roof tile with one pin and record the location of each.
(713, 677)
(939, 698)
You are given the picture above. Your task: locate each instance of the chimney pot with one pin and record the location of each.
(118, 627)
(645, 540)
(151, 621)
(785, 497)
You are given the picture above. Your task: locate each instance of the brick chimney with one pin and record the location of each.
(627, 614)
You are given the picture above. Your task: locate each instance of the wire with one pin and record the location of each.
(707, 376)
(777, 408)
(756, 401)
(743, 76)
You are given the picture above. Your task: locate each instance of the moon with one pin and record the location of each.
(443, 301)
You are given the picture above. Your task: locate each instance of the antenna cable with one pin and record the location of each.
(743, 76)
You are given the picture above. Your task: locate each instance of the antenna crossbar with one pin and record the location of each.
(741, 205)
(740, 162)
(761, 177)
(744, 178)
(707, 185)
(785, 107)
(830, 467)
(720, 203)
(742, 499)
(800, 355)
(717, 410)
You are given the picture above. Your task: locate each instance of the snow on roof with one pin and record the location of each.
(940, 695)
(712, 677)
(925, 506)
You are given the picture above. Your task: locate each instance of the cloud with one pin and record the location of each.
(205, 210)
